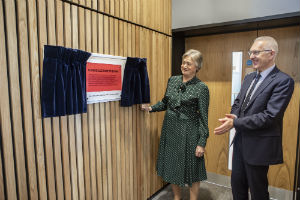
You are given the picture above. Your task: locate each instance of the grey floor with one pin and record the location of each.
(208, 191)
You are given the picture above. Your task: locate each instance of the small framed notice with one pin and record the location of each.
(104, 75)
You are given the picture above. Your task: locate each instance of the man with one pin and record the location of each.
(257, 115)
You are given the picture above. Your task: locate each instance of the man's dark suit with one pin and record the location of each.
(258, 141)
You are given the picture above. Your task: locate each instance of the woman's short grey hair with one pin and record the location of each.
(196, 56)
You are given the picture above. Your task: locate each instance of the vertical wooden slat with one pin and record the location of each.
(49, 158)
(122, 9)
(86, 156)
(88, 39)
(134, 11)
(144, 125)
(153, 99)
(126, 119)
(102, 181)
(56, 121)
(26, 97)
(108, 151)
(117, 8)
(126, 10)
(103, 28)
(134, 150)
(71, 118)
(101, 5)
(122, 147)
(107, 115)
(126, 146)
(119, 153)
(100, 160)
(13, 73)
(140, 137)
(59, 15)
(117, 119)
(144, 13)
(35, 85)
(48, 130)
(152, 135)
(6, 132)
(128, 129)
(104, 148)
(64, 120)
(98, 151)
(156, 98)
(112, 7)
(63, 190)
(138, 11)
(72, 150)
(121, 118)
(132, 119)
(130, 11)
(130, 150)
(95, 4)
(138, 130)
(160, 89)
(42, 32)
(65, 158)
(147, 119)
(106, 6)
(78, 132)
(67, 25)
(114, 149)
(91, 117)
(85, 133)
(78, 127)
(113, 116)
(57, 157)
(95, 49)
(144, 137)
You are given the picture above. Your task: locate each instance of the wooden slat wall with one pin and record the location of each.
(216, 73)
(108, 152)
(155, 14)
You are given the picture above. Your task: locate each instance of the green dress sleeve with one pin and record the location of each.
(161, 105)
(203, 103)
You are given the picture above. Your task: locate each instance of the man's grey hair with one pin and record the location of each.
(271, 43)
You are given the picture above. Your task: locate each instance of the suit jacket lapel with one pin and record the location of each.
(264, 84)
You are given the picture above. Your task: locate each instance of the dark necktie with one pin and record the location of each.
(247, 99)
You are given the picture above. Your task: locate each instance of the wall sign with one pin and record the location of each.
(104, 75)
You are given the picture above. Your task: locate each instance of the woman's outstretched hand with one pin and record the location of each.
(146, 107)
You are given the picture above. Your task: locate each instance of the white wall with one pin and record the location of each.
(187, 13)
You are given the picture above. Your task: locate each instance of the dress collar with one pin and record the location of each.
(192, 81)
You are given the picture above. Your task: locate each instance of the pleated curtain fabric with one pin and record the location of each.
(64, 81)
(135, 86)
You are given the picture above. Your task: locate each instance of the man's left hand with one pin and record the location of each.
(227, 124)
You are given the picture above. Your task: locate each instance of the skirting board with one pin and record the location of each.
(275, 193)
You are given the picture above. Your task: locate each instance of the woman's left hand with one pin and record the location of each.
(199, 151)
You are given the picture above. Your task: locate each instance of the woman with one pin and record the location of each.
(185, 128)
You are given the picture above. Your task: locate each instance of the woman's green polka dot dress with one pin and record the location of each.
(185, 127)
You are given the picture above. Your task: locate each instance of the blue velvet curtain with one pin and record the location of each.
(135, 87)
(63, 83)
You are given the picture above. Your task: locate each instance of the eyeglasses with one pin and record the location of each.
(256, 53)
(188, 64)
